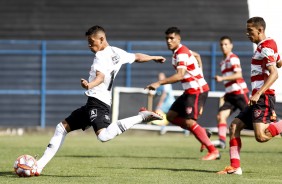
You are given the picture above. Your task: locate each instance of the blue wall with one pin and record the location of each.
(40, 80)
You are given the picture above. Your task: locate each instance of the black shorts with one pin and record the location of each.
(262, 111)
(190, 106)
(95, 113)
(233, 102)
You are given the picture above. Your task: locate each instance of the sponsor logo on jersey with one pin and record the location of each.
(93, 114)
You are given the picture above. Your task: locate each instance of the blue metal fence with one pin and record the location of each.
(44, 49)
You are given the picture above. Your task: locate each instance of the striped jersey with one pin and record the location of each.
(193, 81)
(229, 66)
(265, 55)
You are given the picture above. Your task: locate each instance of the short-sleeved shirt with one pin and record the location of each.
(229, 66)
(193, 82)
(107, 61)
(265, 55)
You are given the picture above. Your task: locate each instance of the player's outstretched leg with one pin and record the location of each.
(201, 134)
(122, 125)
(235, 162)
(148, 116)
(209, 133)
(52, 148)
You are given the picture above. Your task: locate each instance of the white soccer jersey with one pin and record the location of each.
(107, 61)
(265, 55)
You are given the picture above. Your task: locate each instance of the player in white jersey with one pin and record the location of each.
(96, 112)
(259, 115)
(236, 91)
(187, 108)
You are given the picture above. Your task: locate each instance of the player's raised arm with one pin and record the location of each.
(139, 57)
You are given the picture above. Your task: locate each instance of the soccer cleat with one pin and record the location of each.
(38, 171)
(215, 155)
(231, 170)
(148, 116)
(209, 133)
(219, 144)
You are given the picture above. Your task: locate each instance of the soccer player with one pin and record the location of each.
(185, 111)
(96, 112)
(236, 91)
(259, 115)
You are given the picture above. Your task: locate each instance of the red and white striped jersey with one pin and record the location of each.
(265, 55)
(229, 66)
(193, 81)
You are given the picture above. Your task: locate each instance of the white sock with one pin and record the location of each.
(118, 128)
(54, 145)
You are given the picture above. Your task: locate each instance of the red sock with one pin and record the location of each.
(275, 128)
(201, 135)
(222, 131)
(235, 147)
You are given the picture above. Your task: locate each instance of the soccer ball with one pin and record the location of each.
(25, 166)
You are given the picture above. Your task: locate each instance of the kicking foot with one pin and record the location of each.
(231, 170)
(215, 155)
(219, 144)
(209, 133)
(148, 116)
(38, 171)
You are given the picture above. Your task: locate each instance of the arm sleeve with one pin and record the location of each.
(269, 56)
(125, 57)
(235, 62)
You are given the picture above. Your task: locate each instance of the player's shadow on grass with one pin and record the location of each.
(127, 156)
(176, 170)
(8, 173)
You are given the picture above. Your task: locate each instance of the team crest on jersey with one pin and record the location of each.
(93, 114)
(257, 113)
(115, 58)
(189, 110)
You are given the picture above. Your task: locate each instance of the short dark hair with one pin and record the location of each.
(172, 30)
(257, 21)
(94, 29)
(226, 38)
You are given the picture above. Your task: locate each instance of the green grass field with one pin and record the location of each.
(137, 157)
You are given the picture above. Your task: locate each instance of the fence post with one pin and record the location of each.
(213, 66)
(43, 85)
(128, 66)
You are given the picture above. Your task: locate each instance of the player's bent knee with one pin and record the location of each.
(104, 136)
(169, 118)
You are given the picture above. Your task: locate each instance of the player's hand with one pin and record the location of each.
(218, 78)
(153, 86)
(159, 59)
(279, 64)
(84, 83)
(254, 99)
